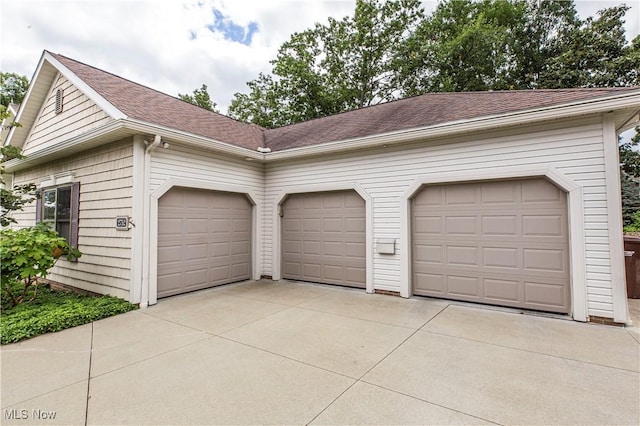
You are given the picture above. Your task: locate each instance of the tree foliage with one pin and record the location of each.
(13, 87)
(16, 197)
(201, 98)
(345, 64)
(392, 49)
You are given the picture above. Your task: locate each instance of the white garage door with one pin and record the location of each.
(323, 238)
(204, 240)
(500, 242)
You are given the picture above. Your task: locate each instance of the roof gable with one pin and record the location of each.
(150, 106)
(79, 114)
(132, 105)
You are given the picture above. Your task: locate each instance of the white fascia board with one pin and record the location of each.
(132, 127)
(574, 109)
(192, 139)
(26, 98)
(98, 99)
(75, 142)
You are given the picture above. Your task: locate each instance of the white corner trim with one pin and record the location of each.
(277, 230)
(137, 215)
(198, 184)
(614, 203)
(576, 223)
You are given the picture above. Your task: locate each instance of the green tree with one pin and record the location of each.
(630, 177)
(14, 198)
(345, 64)
(201, 98)
(465, 46)
(595, 55)
(13, 88)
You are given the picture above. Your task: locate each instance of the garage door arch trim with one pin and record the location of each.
(575, 215)
(170, 183)
(277, 230)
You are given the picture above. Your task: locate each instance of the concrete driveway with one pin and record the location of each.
(292, 353)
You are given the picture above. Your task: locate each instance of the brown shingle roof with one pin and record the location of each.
(148, 105)
(422, 111)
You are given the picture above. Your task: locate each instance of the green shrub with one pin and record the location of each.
(52, 311)
(26, 255)
(634, 226)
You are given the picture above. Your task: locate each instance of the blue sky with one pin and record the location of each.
(242, 34)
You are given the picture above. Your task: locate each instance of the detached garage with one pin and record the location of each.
(509, 197)
(204, 240)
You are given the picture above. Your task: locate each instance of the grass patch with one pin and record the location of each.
(53, 310)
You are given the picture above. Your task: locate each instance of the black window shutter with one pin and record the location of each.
(39, 206)
(75, 212)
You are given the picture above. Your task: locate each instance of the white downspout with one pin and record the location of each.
(144, 299)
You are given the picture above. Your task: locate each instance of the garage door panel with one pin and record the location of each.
(545, 295)
(333, 248)
(219, 274)
(312, 271)
(505, 235)
(460, 195)
(460, 255)
(461, 225)
(502, 290)
(541, 225)
(355, 224)
(220, 225)
(239, 270)
(323, 237)
(544, 260)
(312, 203)
(169, 226)
(196, 277)
(499, 193)
(500, 257)
(201, 235)
(292, 269)
(433, 254)
(540, 192)
(312, 225)
(312, 247)
(432, 283)
(499, 225)
(240, 247)
(170, 254)
(459, 285)
(355, 250)
(197, 251)
(429, 225)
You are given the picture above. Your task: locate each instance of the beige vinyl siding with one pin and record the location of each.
(574, 148)
(79, 115)
(105, 176)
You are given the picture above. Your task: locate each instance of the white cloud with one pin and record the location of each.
(150, 41)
